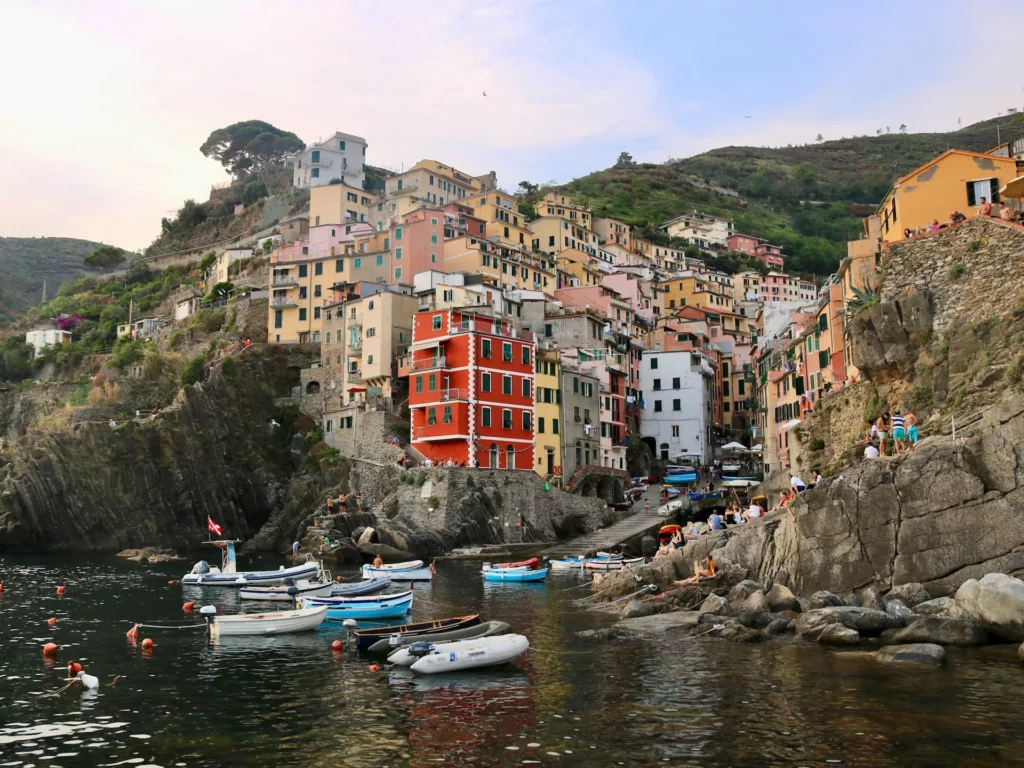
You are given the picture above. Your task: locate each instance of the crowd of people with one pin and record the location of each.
(900, 428)
(1006, 213)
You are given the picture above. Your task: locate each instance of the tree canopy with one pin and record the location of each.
(105, 257)
(248, 146)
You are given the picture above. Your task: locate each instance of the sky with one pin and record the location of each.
(105, 104)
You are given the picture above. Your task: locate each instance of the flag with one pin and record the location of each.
(212, 527)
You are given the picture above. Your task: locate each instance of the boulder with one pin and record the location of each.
(805, 604)
(851, 598)
(780, 598)
(825, 599)
(916, 653)
(715, 604)
(910, 593)
(755, 603)
(837, 634)
(810, 625)
(938, 606)
(635, 608)
(743, 590)
(754, 620)
(996, 603)
(777, 627)
(132, 554)
(367, 536)
(607, 634)
(940, 631)
(867, 621)
(897, 609)
(870, 597)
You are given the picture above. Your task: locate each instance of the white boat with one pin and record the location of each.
(286, 593)
(412, 574)
(472, 654)
(277, 623)
(203, 574)
(567, 564)
(408, 565)
(612, 564)
(408, 654)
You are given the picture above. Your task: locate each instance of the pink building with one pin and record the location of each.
(644, 300)
(745, 243)
(778, 286)
(770, 255)
(417, 243)
(612, 232)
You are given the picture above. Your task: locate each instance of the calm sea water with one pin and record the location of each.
(291, 701)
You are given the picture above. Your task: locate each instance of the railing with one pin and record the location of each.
(283, 281)
(283, 301)
(356, 345)
(454, 394)
(433, 362)
(354, 374)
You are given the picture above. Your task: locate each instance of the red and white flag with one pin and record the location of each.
(212, 527)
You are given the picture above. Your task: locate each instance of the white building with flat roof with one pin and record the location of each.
(40, 338)
(341, 156)
(677, 390)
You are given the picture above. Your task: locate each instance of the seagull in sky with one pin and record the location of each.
(484, 93)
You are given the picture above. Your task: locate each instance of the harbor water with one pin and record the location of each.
(292, 701)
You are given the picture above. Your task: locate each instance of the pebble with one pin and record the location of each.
(533, 744)
(512, 749)
(554, 754)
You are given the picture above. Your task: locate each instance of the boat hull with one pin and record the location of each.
(497, 574)
(472, 654)
(277, 623)
(280, 594)
(416, 574)
(367, 637)
(365, 587)
(408, 565)
(613, 565)
(401, 656)
(365, 608)
(567, 564)
(251, 578)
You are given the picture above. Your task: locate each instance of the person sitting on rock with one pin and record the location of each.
(690, 533)
(665, 549)
(715, 521)
(705, 571)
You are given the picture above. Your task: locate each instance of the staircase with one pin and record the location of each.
(607, 538)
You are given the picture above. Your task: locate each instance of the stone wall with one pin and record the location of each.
(369, 436)
(838, 419)
(973, 271)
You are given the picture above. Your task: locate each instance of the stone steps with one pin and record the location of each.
(608, 537)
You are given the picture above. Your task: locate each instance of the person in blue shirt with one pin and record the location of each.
(715, 522)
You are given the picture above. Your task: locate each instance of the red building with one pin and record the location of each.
(770, 255)
(471, 379)
(744, 243)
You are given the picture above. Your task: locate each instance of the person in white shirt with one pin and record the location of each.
(870, 452)
(818, 478)
(798, 485)
(752, 512)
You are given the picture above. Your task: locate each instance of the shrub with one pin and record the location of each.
(207, 261)
(152, 363)
(974, 245)
(194, 371)
(433, 502)
(470, 482)
(421, 478)
(918, 397)
(127, 352)
(230, 370)
(956, 270)
(107, 394)
(817, 444)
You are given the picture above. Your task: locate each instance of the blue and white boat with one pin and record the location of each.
(567, 564)
(205, 575)
(514, 574)
(416, 572)
(364, 587)
(371, 607)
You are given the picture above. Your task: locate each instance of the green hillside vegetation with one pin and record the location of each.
(809, 199)
(25, 262)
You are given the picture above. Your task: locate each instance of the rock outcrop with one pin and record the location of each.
(996, 602)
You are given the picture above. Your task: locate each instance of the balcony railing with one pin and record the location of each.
(354, 374)
(430, 363)
(448, 395)
(284, 281)
(355, 346)
(282, 301)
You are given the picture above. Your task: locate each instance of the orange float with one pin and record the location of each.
(52, 622)
(60, 590)
(74, 668)
(147, 644)
(50, 649)
(187, 607)
(133, 633)
(173, 581)
(336, 645)
(375, 667)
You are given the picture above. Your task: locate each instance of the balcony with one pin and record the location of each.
(356, 346)
(449, 395)
(282, 302)
(430, 363)
(284, 281)
(355, 374)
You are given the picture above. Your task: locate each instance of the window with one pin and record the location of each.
(485, 416)
(575, 385)
(380, 260)
(341, 145)
(432, 383)
(506, 352)
(352, 198)
(278, 318)
(398, 254)
(339, 265)
(436, 324)
(433, 239)
(576, 414)
(547, 330)
(675, 430)
(316, 313)
(431, 416)
(357, 263)
(419, 384)
(540, 425)
(302, 292)
(303, 270)
(316, 173)
(677, 404)
(740, 384)
(398, 233)
(554, 426)
(302, 314)
(485, 382)
(317, 288)
(506, 418)
(398, 273)
(328, 426)
(506, 385)
(316, 156)
(485, 348)
(399, 183)
(987, 188)
(371, 332)
(725, 406)
(675, 382)
(527, 421)
(657, 406)
(447, 417)
(526, 387)
(654, 363)
(656, 385)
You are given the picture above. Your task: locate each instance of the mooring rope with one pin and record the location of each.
(201, 625)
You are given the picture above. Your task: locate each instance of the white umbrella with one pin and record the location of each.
(736, 447)
(756, 448)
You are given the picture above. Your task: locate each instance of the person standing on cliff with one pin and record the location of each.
(899, 434)
(359, 502)
(883, 432)
(910, 419)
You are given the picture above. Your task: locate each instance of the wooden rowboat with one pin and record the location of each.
(277, 623)
(367, 637)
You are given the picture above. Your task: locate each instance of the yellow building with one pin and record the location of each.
(580, 265)
(549, 415)
(956, 180)
(504, 266)
(562, 206)
(691, 289)
(339, 204)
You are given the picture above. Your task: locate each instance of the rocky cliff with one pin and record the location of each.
(214, 453)
(948, 512)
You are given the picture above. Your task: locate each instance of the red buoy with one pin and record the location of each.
(375, 667)
(1, 587)
(74, 668)
(187, 607)
(52, 622)
(60, 590)
(336, 645)
(50, 649)
(173, 581)
(133, 633)
(147, 644)
(339, 578)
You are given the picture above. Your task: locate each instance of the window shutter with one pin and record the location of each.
(971, 200)
(994, 188)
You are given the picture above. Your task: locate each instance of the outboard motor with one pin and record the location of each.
(200, 568)
(208, 612)
(422, 648)
(293, 593)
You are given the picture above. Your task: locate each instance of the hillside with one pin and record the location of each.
(25, 262)
(810, 199)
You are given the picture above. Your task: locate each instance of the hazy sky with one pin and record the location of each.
(104, 104)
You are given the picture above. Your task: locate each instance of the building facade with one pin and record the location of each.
(341, 157)
(678, 393)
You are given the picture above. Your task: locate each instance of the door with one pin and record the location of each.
(551, 462)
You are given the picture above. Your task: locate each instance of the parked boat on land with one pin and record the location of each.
(368, 607)
(471, 654)
(514, 574)
(287, 593)
(365, 587)
(370, 635)
(277, 623)
(399, 653)
(203, 574)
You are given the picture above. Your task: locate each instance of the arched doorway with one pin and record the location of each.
(493, 463)
(510, 458)
(313, 388)
(579, 453)
(664, 451)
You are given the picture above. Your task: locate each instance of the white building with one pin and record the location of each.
(700, 229)
(46, 337)
(342, 157)
(807, 290)
(678, 398)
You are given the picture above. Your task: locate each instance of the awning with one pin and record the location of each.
(756, 448)
(357, 389)
(789, 425)
(429, 343)
(1013, 188)
(737, 447)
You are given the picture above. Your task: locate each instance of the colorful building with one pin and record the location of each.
(341, 157)
(471, 396)
(339, 204)
(613, 232)
(549, 415)
(700, 229)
